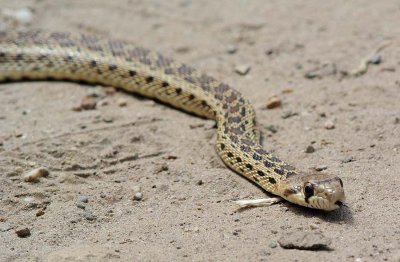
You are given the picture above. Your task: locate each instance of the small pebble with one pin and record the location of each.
(109, 90)
(396, 121)
(287, 91)
(34, 175)
(273, 102)
(236, 232)
(272, 244)
(326, 69)
(24, 15)
(122, 103)
(162, 168)
(329, 124)
(242, 69)
(310, 149)
(321, 168)
(138, 196)
(348, 160)
(273, 129)
(89, 216)
(304, 241)
(375, 59)
(88, 103)
(40, 213)
(23, 232)
(200, 182)
(83, 199)
(81, 205)
(182, 49)
(108, 119)
(30, 201)
(288, 113)
(231, 49)
(270, 52)
(103, 102)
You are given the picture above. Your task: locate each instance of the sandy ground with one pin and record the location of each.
(301, 51)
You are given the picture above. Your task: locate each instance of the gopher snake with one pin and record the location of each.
(79, 57)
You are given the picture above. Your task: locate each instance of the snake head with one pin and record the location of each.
(320, 191)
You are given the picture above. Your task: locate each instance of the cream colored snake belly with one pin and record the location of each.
(36, 55)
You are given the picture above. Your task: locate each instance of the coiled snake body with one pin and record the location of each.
(79, 57)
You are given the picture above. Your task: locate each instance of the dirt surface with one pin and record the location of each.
(135, 180)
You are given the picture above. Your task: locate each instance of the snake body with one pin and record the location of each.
(40, 55)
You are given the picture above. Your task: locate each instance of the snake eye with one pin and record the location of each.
(308, 190)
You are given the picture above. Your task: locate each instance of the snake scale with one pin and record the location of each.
(42, 55)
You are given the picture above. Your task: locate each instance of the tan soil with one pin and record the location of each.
(111, 153)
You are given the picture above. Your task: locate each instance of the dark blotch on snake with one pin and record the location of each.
(274, 159)
(132, 73)
(238, 159)
(261, 151)
(290, 191)
(260, 173)
(191, 97)
(19, 57)
(168, 71)
(112, 67)
(279, 171)
(245, 148)
(222, 146)
(93, 63)
(178, 90)
(164, 84)
(272, 180)
(256, 157)
(243, 112)
(268, 164)
(149, 79)
(230, 154)
(249, 166)
(42, 56)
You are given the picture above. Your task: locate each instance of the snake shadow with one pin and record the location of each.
(338, 216)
